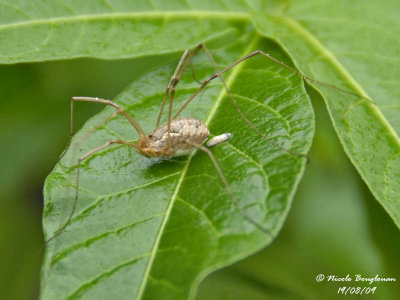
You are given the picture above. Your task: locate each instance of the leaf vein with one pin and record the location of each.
(258, 165)
(17, 9)
(98, 200)
(165, 283)
(81, 290)
(140, 15)
(70, 250)
(279, 115)
(340, 69)
(202, 213)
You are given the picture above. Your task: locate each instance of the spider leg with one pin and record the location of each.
(82, 158)
(186, 59)
(225, 181)
(219, 74)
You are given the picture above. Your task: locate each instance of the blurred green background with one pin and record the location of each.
(334, 227)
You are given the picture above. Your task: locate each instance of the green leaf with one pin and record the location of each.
(329, 40)
(354, 46)
(350, 44)
(357, 236)
(47, 29)
(153, 229)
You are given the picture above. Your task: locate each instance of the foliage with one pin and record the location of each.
(312, 32)
(155, 213)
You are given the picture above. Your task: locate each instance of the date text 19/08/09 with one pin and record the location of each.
(352, 290)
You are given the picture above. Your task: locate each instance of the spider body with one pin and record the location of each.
(183, 134)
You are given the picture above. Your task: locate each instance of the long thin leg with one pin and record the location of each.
(180, 68)
(82, 138)
(82, 158)
(131, 120)
(222, 176)
(94, 128)
(234, 102)
(171, 101)
(170, 90)
(241, 113)
(172, 82)
(97, 100)
(304, 76)
(219, 74)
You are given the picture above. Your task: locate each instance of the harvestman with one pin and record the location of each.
(181, 136)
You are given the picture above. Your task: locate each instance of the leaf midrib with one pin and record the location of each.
(132, 15)
(211, 114)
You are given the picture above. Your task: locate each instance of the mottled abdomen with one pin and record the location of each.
(182, 130)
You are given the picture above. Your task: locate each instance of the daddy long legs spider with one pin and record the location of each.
(179, 136)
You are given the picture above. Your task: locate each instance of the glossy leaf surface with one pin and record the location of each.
(46, 29)
(352, 45)
(355, 47)
(151, 228)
